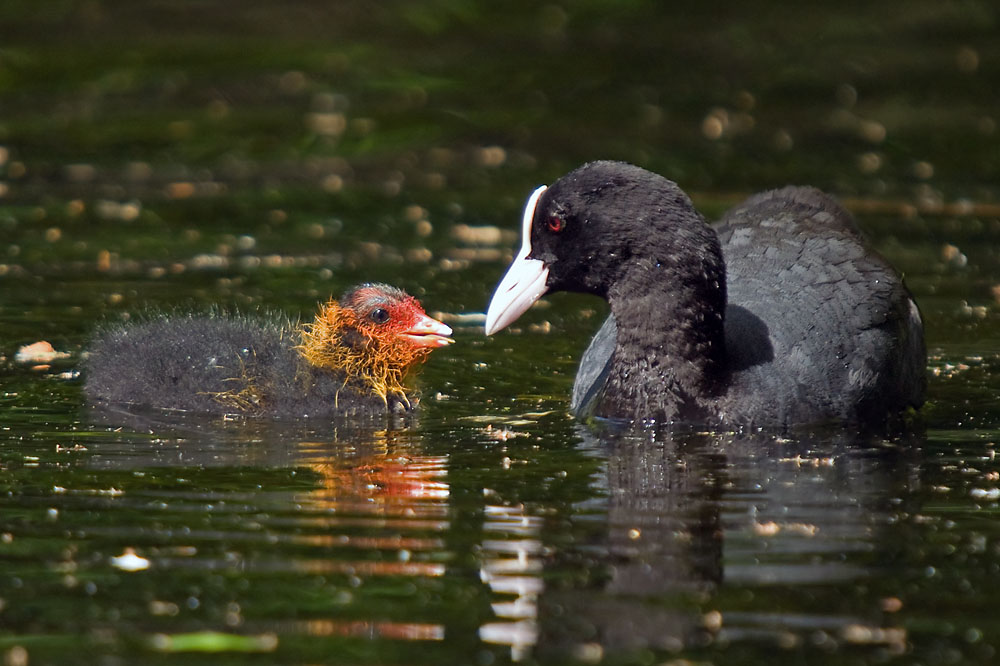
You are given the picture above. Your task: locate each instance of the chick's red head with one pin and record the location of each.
(393, 317)
(374, 334)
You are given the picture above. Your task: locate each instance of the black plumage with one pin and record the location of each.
(257, 364)
(778, 315)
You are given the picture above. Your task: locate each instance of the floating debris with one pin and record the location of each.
(129, 561)
(953, 256)
(502, 434)
(39, 352)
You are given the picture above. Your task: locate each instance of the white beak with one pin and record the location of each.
(524, 282)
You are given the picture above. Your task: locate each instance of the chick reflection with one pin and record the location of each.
(388, 475)
(385, 496)
(691, 515)
(358, 510)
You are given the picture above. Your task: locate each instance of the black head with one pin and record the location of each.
(590, 228)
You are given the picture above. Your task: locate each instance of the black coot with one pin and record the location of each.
(777, 316)
(351, 360)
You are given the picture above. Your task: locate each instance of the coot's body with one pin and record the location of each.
(262, 365)
(777, 316)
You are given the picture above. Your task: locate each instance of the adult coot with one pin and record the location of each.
(351, 360)
(777, 316)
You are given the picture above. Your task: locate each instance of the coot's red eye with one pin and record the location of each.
(556, 224)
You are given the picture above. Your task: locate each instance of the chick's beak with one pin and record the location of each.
(428, 332)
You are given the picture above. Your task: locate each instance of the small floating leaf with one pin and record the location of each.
(213, 641)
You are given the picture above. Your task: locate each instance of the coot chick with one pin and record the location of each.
(353, 359)
(777, 316)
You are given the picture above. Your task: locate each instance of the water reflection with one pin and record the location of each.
(397, 498)
(711, 539)
(324, 531)
(511, 567)
(164, 438)
(336, 535)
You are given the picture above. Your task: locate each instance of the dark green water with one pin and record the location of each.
(267, 155)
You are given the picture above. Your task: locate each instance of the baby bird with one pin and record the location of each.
(352, 360)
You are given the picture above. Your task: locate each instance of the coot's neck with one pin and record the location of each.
(669, 358)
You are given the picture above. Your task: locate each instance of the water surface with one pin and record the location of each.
(180, 156)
